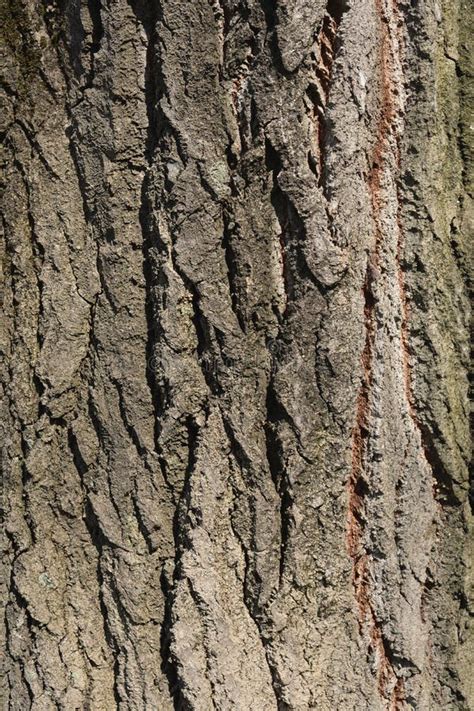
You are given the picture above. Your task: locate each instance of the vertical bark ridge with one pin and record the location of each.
(386, 160)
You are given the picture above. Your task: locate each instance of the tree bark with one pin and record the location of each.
(235, 341)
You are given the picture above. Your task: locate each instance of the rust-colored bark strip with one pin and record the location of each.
(386, 157)
(390, 686)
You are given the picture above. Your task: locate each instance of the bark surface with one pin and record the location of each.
(235, 354)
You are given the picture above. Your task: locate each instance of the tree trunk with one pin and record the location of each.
(236, 436)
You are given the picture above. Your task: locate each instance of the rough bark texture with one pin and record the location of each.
(235, 350)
